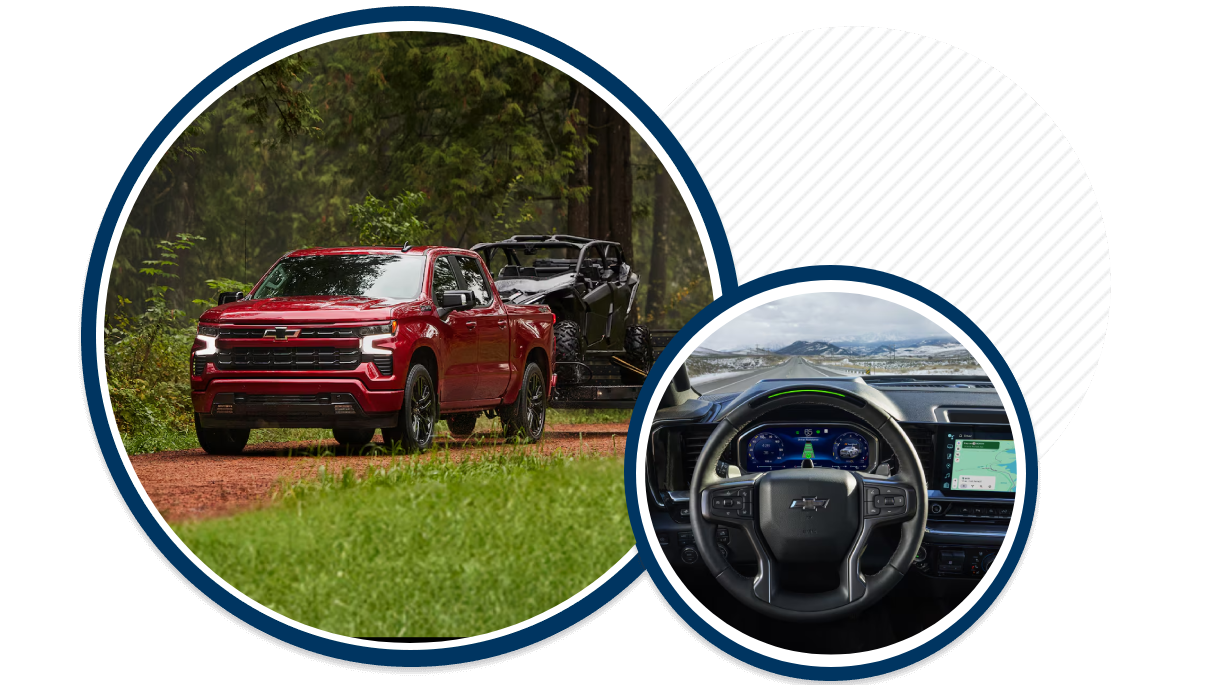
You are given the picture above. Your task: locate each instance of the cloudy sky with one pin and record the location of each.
(829, 317)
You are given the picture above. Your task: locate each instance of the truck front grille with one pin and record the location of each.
(288, 358)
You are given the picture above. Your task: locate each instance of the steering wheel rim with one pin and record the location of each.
(763, 497)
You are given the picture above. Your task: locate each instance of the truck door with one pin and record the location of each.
(493, 331)
(459, 372)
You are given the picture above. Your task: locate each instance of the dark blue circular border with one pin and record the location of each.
(858, 275)
(370, 654)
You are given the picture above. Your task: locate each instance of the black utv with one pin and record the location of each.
(600, 359)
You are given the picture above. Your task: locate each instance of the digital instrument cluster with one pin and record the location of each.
(771, 447)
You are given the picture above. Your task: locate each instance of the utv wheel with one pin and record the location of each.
(352, 439)
(417, 419)
(221, 440)
(638, 345)
(525, 418)
(461, 426)
(567, 349)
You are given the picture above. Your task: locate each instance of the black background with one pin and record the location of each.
(118, 594)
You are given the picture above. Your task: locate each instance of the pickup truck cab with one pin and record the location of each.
(360, 338)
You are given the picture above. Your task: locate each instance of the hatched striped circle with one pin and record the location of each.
(888, 150)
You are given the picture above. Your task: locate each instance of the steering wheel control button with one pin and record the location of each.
(690, 555)
(871, 509)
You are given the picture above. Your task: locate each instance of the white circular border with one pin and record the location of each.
(313, 41)
(801, 658)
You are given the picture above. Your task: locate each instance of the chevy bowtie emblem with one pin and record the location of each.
(281, 333)
(810, 503)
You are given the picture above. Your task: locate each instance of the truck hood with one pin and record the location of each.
(289, 310)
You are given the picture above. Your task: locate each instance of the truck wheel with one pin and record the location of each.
(221, 440)
(417, 420)
(461, 426)
(352, 439)
(525, 418)
(567, 349)
(638, 346)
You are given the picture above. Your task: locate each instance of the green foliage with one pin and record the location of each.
(427, 548)
(394, 224)
(272, 95)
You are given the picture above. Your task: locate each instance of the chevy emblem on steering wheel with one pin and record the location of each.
(810, 503)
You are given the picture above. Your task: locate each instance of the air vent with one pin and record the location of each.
(385, 365)
(922, 439)
(198, 366)
(693, 440)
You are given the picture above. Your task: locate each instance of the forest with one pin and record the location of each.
(429, 138)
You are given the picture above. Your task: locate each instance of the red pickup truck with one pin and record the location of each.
(360, 338)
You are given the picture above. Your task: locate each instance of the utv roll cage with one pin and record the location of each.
(609, 254)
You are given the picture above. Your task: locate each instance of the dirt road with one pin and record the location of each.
(191, 484)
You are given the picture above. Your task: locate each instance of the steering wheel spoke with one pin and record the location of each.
(735, 503)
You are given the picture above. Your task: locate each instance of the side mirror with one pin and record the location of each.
(457, 299)
(225, 298)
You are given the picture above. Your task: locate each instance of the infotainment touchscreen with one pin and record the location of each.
(980, 464)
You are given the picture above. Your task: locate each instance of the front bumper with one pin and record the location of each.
(338, 403)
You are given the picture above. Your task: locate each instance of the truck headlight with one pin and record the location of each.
(370, 336)
(209, 344)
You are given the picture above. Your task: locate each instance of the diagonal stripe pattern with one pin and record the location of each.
(883, 149)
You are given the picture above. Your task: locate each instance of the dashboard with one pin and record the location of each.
(960, 433)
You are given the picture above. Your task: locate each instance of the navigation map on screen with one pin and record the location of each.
(986, 465)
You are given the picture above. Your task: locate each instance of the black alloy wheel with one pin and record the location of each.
(417, 419)
(525, 418)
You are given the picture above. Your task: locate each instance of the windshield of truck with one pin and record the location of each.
(386, 276)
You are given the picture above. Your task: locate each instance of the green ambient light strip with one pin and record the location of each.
(789, 392)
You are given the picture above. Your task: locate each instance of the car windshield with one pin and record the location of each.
(387, 276)
(826, 335)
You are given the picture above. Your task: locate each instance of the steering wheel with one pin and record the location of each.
(809, 515)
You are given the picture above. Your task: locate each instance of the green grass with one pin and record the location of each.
(157, 437)
(425, 549)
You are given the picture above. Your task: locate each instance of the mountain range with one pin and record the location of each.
(855, 347)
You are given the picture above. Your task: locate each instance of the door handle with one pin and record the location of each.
(502, 323)
(470, 324)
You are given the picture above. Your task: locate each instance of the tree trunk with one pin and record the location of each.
(621, 183)
(599, 168)
(657, 276)
(578, 211)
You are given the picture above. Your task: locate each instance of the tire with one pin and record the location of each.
(525, 418)
(221, 440)
(637, 343)
(352, 439)
(461, 426)
(567, 349)
(417, 418)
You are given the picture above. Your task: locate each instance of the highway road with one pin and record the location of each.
(795, 367)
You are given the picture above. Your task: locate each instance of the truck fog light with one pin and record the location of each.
(344, 409)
